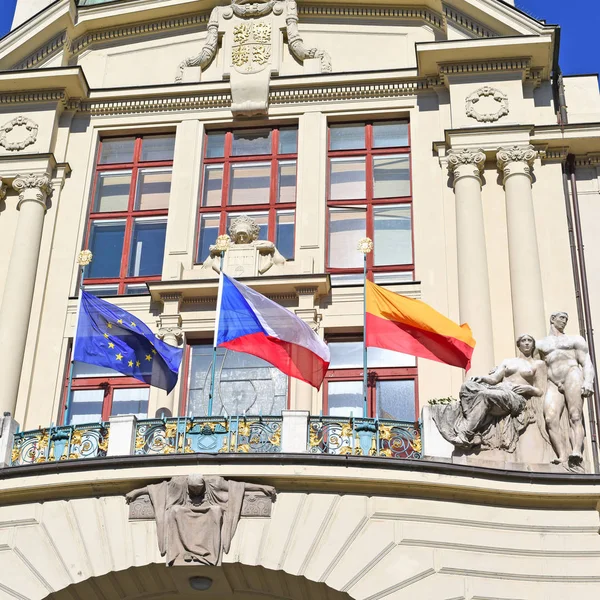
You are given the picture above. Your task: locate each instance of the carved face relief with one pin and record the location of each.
(251, 48)
(244, 230)
(496, 104)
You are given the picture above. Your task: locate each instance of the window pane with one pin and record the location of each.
(112, 191)
(288, 141)
(392, 239)
(209, 230)
(390, 135)
(345, 398)
(213, 182)
(245, 384)
(106, 244)
(130, 401)
(147, 247)
(215, 145)
(349, 355)
(153, 189)
(158, 147)
(396, 399)
(391, 176)
(86, 370)
(250, 183)
(287, 181)
(261, 218)
(252, 141)
(284, 234)
(346, 227)
(136, 289)
(86, 406)
(102, 290)
(391, 278)
(117, 150)
(347, 178)
(347, 137)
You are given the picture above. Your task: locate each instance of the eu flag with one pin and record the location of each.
(111, 337)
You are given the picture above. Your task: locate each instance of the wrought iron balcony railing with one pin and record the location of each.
(293, 432)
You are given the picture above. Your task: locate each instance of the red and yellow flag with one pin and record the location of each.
(402, 324)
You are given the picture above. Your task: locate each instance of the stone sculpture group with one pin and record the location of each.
(494, 410)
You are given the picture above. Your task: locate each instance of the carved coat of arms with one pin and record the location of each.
(252, 45)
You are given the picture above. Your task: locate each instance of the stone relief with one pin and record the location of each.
(494, 411)
(197, 516)
(252, 48)
(516, 157)
(247, 256)
(486, 92)
(15, 143)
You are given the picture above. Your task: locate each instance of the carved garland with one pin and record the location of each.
(29, 125)
(486, 91)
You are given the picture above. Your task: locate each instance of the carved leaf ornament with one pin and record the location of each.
(486, 92)
(30, 132)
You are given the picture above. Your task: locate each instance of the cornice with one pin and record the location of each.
(467, 23)
(43, 52)
(485, 66)
(33, 97)
(416, 12)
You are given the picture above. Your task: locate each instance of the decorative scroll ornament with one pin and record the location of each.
(516, 159)
(465, 163)
(30, 132)
(296, 43)
(485, 92)
(33, 187)
(85, 258)
(365, 245)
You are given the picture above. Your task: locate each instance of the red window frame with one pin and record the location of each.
(272, 208)
(129, 215)
(108, 384)
(187, 365)
(369, 201)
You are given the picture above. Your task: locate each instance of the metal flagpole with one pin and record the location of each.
(222, 245)
(365, 245)
(84, 259)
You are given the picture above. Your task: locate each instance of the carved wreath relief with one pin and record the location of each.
(27, 134)
(487, 92)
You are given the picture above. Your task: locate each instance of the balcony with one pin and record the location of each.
(293, 432)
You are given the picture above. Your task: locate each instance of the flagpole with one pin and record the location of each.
(84, 259)
(365, 245)
(222, 245)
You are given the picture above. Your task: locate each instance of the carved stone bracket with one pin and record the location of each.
(29, 134)
(32, 187)
(516, 160)
(466, 163)
(487, 92)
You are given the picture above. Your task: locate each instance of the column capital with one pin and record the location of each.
(466, 163)
(170, 334)
(515, 160)
(33, 187)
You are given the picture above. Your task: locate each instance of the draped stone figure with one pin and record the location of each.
(196, 517)
(570, 380)
(493, 411)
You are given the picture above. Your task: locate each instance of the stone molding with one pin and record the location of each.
(32, 187)
(485, 92)
(465, 163)
(515, 160)
(31, 97)
(43, 52)
(18, 122)
(486, 66)
(466, 22)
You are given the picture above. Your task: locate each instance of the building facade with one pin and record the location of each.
(144, 129)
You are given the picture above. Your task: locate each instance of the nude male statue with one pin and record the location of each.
(570, 379)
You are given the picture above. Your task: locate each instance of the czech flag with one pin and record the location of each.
(248, 322)
(395, 322)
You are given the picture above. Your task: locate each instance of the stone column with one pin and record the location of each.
(525, 275)
(473, 279)
(15, 310)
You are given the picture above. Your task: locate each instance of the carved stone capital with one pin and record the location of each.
(32, 187)
(171, 335)
(466, 163)
(516, 160)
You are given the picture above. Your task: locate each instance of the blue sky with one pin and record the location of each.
(579, 20)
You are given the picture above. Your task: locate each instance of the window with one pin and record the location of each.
(98, 393)
(391, 390)
(369, 194)
(244, 384)
(250, 172)
(128, 214)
